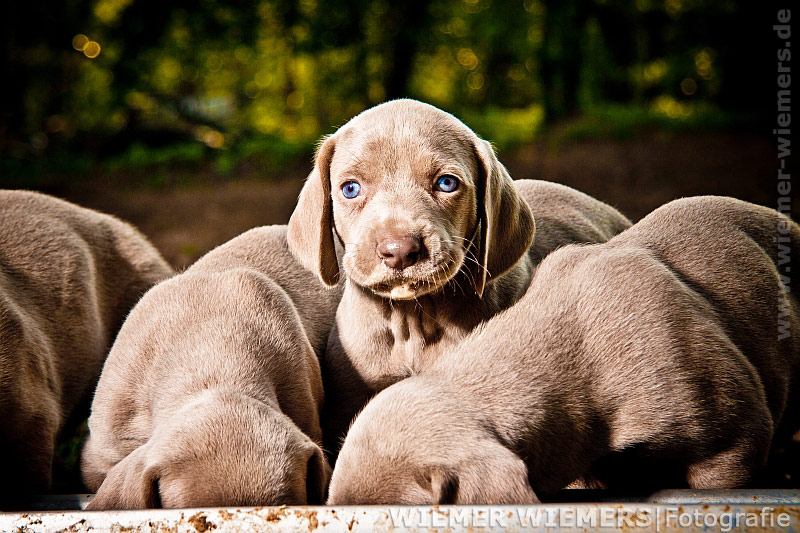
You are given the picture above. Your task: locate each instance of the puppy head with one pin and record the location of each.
(240, 454)
(416, 197)
(412, 445)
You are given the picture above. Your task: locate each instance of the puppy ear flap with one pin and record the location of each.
(507, 225)
(310, 232)
(318, 474)
(496, 478)
(444, 487)
(130, 484)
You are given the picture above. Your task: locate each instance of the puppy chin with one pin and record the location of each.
(400, 289)
(410, 287)
(416, 281)
(403, 292)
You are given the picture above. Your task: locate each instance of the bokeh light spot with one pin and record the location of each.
(214, 139)
(79, 41)
(91, 49)
(467, 58)
(704, 63)
(475, 81)
(295, 100)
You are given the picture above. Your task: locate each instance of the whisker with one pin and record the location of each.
(469, 257)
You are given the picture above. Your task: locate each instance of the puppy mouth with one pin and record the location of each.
(403, 291)
(409, 285)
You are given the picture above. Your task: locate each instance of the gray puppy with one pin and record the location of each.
(437, 239)
(211, 393)
(68, 277)
(673, 344)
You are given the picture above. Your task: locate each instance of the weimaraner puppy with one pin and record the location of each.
(68, 277)
(437, 239)
(211, 393)
(667, 350)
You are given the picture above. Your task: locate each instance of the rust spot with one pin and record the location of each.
(275, 515)
(200, 523)
(437, 509)
(161, 526)
(313, 522)
(74, 527)
(225, 514)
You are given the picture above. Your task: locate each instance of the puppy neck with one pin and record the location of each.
(421, 328)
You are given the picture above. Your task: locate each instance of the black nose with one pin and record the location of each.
(398, 251)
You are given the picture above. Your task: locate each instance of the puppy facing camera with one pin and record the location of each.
(437, 238)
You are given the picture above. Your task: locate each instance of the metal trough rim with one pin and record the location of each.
(668, 510)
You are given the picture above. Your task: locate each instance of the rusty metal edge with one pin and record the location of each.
(566, 517)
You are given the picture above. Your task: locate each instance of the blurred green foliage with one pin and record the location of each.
(146, 83)
(619, 122)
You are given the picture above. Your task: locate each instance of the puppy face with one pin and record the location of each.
(242, 454)
(404, 201)
(413, 445)
(415, 197)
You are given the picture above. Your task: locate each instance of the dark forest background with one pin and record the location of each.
(197, 119)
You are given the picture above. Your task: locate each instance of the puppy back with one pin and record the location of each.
(265, 249)
(75, 273)
(735, 254)
(565, 215)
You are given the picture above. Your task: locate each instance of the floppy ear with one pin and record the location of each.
(310, 233)
(131, 484)
(507, 225)
(444, 487)
(318, 473)
(496, 478)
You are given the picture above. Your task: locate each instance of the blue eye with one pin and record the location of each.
(446, 183)
(350, 189)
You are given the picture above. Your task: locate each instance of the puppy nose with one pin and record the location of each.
(399, 251)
